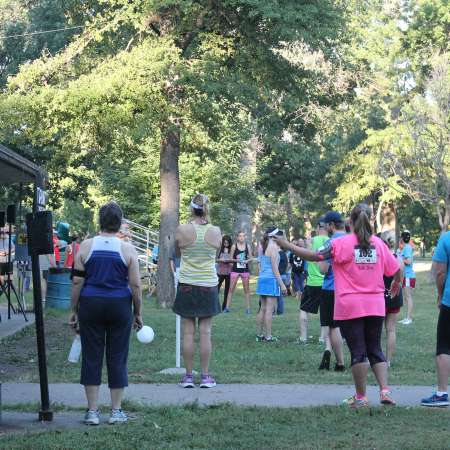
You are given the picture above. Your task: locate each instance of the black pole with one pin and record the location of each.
(45, 414)
(9, 271)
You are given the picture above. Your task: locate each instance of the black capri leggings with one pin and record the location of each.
(105, 323)
(363, 337)
(225, 278)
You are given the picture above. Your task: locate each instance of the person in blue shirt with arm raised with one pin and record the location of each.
(441, 267)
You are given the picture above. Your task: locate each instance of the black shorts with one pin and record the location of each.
(45, 275)
(311, 299)
(443, 332)
(327, 309)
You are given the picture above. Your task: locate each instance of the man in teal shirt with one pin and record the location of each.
(441, 267)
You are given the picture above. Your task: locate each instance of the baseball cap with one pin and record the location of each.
(333, 216)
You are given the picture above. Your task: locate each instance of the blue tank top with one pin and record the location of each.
(265, 268)
(106, 270)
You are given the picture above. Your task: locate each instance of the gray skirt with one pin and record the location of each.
(196, 301)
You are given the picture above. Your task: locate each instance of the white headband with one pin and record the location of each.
(273, 233)
(195, 206)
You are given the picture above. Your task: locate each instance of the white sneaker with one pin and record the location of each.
(403, 321)
(407, 322)
(117, 416)
(92, 417)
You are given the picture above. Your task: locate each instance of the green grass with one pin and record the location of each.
(228, 427)
(237, 358)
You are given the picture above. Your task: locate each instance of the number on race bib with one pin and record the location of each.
(363, 256)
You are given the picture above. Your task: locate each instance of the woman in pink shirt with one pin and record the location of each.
(359, 262)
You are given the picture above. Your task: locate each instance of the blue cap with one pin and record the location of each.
(333, 216)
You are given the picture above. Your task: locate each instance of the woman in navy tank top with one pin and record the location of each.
(106, 303)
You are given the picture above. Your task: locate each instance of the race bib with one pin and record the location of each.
(363, 256)
(241, 265)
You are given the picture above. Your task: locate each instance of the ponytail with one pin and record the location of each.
(266, 238)
(360, 217)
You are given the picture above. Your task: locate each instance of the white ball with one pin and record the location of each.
(145, 334)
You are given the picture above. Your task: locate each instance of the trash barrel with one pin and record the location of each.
(59, 287)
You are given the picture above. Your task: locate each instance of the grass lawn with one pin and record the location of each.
(237, 357)
(228, 427)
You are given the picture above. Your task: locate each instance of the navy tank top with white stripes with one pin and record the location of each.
(106, 269)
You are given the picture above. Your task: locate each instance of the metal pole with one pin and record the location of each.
(9, 274)
(45, 414)
(178, 342)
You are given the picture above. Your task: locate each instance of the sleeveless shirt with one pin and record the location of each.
(106, 269)
(198, 260)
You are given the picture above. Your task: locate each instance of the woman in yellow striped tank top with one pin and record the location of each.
(197, 296)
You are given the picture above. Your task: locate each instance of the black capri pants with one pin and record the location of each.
(363, 337)
(443, 331)
(105, 323)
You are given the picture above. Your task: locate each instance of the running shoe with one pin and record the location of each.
(187, 381)
(301, 341)
(321, 341)
(270, 339)
(117, 416)
(386, 398)
(259, 337)
(207, 382)
(326, 358)
(437, 401)
(92, 417)
(405, 321)
(226, 310)
(248, 312)
(339, 367)
(356, 403)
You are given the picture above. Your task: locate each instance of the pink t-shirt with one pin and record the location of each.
(358, 275)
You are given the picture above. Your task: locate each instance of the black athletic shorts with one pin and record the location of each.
(327, 309)
(311, 299)
(443, 332)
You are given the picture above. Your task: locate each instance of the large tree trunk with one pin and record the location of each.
(388, 221)
(170, 206)
(444, 214)
(244, 210)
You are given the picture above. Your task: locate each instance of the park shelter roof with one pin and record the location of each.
(17, 169)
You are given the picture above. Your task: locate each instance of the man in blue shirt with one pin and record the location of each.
(409, 280)
(336, 228)
(441, 267)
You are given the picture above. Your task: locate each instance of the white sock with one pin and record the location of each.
(441, 393)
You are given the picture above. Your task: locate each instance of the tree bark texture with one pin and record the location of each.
(169, 203)
(245, 211)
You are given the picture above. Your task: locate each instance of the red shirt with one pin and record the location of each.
(70, 254)
(56, 249)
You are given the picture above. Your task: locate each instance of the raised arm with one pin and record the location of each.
(309, 255)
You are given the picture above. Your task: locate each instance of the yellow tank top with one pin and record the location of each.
(198, 261)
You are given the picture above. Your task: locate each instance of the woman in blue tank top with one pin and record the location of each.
(106, 284)
(270, 285)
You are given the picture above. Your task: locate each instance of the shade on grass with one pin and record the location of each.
(237, 357)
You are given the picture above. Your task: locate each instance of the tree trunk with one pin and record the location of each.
(444, 214)
(170, 206)
(248, 167)
(292, 231)
(388, 221)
